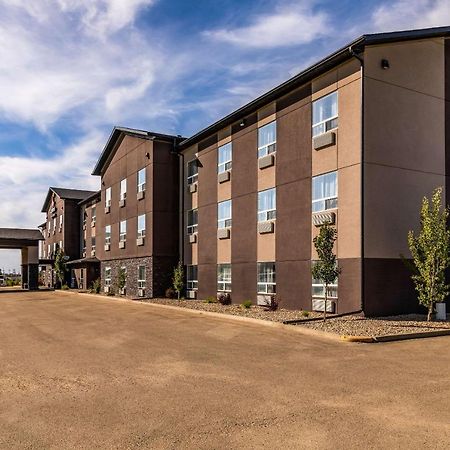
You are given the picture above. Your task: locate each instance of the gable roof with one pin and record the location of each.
(115, 138)
(339, 56)
(66, 194)
(94, 196)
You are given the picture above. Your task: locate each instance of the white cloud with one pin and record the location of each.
(409, 14)
(287, 26)
(66, 55)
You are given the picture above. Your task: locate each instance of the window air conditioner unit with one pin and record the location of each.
(141, 292)
(106, 289)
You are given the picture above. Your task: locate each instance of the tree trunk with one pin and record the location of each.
(325, 303)
(430, 312)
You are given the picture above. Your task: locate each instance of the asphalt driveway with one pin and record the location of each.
(84, 372)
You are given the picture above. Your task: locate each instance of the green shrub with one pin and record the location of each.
(171, 293)
(64, 287)
(210, 299)
(247, 304)
(305, 313)
(95, 289)
(224, 298)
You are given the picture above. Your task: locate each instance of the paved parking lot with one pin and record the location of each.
(84, 372)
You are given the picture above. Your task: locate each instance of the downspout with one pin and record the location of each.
(180, 202)
(361, 60)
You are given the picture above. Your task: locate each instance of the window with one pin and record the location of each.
(54, 225)
(93, 243)
(94, 214)
(108, 234)
(84, 246)
(192, 278)
(267, 139)
(318, 288)
(192, 221)
(192, 172)
(141, 180)
(61, 245)
(224, 156)
(224, 214)
(84, 218)
(123, 189)
(325, 114)
(224, 277)
(49, 250)
(266, 278)
(141, 277)
(123, 230)
(107, 276)
(60, 222)
(141, 226)
(267, 206)
(108, 197)
(324, 192)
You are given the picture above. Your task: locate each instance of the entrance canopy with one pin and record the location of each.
(17, 238)
(27, 241)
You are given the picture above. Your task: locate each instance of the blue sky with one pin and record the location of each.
(72, 69)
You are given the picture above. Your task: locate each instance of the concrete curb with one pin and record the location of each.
(280, 325)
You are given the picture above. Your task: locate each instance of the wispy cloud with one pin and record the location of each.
(407, 14)
(68, 55)
(287, 26)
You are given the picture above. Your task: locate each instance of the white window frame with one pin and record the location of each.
(192, 228)
(224, 222)
(108, 274)
(191, 281)
(107, 234)
(122, 230)
(60, 222)
(266, 287)
(224, 280)
(226, 165)
(141, 231)
(54, 225)
(108, 197)
(328, 124)
(266, 215)
(330, 202)
(93, 214)
(191, 179)
(141, 185)
(318, 289)
(269, 148)
(123, 189)
(142, 282)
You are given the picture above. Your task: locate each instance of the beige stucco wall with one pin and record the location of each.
(404, 140)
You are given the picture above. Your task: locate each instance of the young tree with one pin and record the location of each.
(325, 269)
(60, 266)
(121, 278)
(430, 251)
(178, 279)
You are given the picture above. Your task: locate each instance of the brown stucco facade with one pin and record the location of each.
(385, 146)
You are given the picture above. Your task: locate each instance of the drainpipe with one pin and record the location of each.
(361, 60)
(180, 202)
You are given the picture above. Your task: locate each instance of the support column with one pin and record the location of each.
(24, 267)
(33, 268)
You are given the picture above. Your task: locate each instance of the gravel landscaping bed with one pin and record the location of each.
(357, 325)
(255, 312)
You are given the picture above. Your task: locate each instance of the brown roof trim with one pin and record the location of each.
(65, 194)
(311, 72)
(94, 196)
(116, 136)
